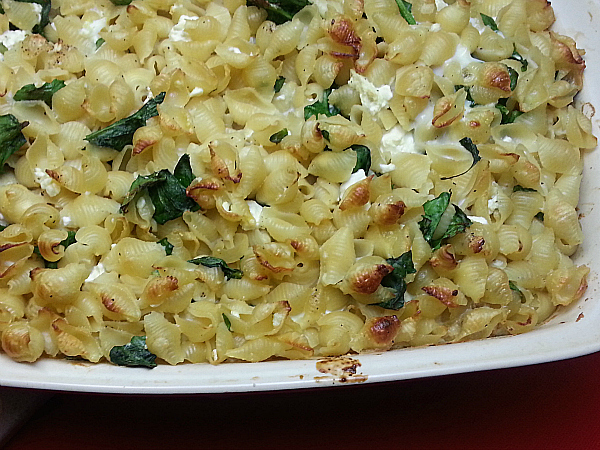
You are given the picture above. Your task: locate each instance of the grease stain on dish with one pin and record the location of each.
(342, 369)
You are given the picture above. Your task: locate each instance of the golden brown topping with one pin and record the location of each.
(383, 330)
(367, 281)
(443, 294)
(357, 195)
(342, 32)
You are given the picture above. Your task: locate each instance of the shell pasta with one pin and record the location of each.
(216, 181)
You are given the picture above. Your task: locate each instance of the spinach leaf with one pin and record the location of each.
(514, 78)
(167, 245)
(11, 138)
(279, 11)
(406, 11)
(169, 199)
(44, 15)
(276, 138)
(183, 171)
(167, 191)
(143, 182)
(434, 209)
(403, 265)
(211, 261)
(120, 133)
(44, 92)
(517, 57)
(321, 107)
(278, 84)
(489, 22)
(519, 188)
(133, 354)
(508, 116)
(467, 143)
(458, 224)
(227, 321)
(99, 43)
(363, 158)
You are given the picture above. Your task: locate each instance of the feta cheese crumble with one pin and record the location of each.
(46, 182)
(11, 38)
(372, 97)
(178, 32)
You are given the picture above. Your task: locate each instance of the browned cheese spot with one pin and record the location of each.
(383, 330)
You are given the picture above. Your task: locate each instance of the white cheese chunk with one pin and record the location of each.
(11, 38)
(494, 201)
(478, 219)
(65, 221)
(46, 182)
(91, 32)
(96, 272)
(372, 97)
(178, 32)
(395, 141)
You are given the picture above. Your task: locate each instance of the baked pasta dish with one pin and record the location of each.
(209, 181)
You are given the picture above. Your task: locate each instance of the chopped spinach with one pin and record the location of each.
(11, 138)
(279, 11)
(167, 191)
(321, 107)
(167, 245)
(467, 143)
(489, 22)
(278, 84)
(133, 354)
(406, 11)
(434, 209)
(183, 171)
(519, 188)
(120, 133)
(44, 92)
(276, 138)
(363, 158)
(120, 2)
(517, 57)
(211, 261)
(508, 116)
(99, 43)
(514, 78)
(226, 321)
(44, 15)
(403, 265)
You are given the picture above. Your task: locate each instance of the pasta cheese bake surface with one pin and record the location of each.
(209, 181)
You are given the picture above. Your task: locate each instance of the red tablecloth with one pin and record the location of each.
(547, 406)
